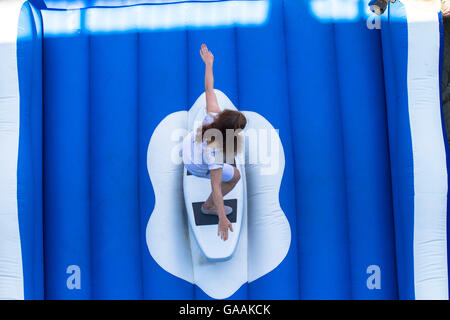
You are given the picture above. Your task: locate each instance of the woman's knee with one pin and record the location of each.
(236, 175)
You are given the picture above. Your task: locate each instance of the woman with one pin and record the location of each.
(203, 150)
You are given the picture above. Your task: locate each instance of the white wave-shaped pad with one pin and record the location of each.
(265, 237)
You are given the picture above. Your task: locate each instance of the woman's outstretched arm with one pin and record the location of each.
(216, 186)
(211, 100)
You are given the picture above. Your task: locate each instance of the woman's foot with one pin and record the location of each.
(211, 209)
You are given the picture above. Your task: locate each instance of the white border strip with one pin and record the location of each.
(429, 157)
(157, 17)
(11, 272)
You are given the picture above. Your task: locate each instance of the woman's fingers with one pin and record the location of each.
(204, 50)
(223, 234)
(206, 55)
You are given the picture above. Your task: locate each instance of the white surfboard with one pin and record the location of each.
(196, 191)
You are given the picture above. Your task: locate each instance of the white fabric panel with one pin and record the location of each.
(429, 158)
(11, 272)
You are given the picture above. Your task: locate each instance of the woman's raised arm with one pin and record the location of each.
(212, 106)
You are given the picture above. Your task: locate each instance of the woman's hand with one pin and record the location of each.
(206, 55)
(224, 225)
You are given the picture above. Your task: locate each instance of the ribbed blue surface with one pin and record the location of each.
(266, 69)
(113, 166)
(395, 50)
(158, 97)
(67, 226)
(367, 171)
(263, 88)
(319, 162)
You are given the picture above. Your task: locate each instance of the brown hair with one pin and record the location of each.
(226, 120)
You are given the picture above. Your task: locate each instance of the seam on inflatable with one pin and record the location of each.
(293, 157)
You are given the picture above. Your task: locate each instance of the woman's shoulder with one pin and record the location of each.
(209, 118)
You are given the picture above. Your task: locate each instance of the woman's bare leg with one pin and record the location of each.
(226, 188)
